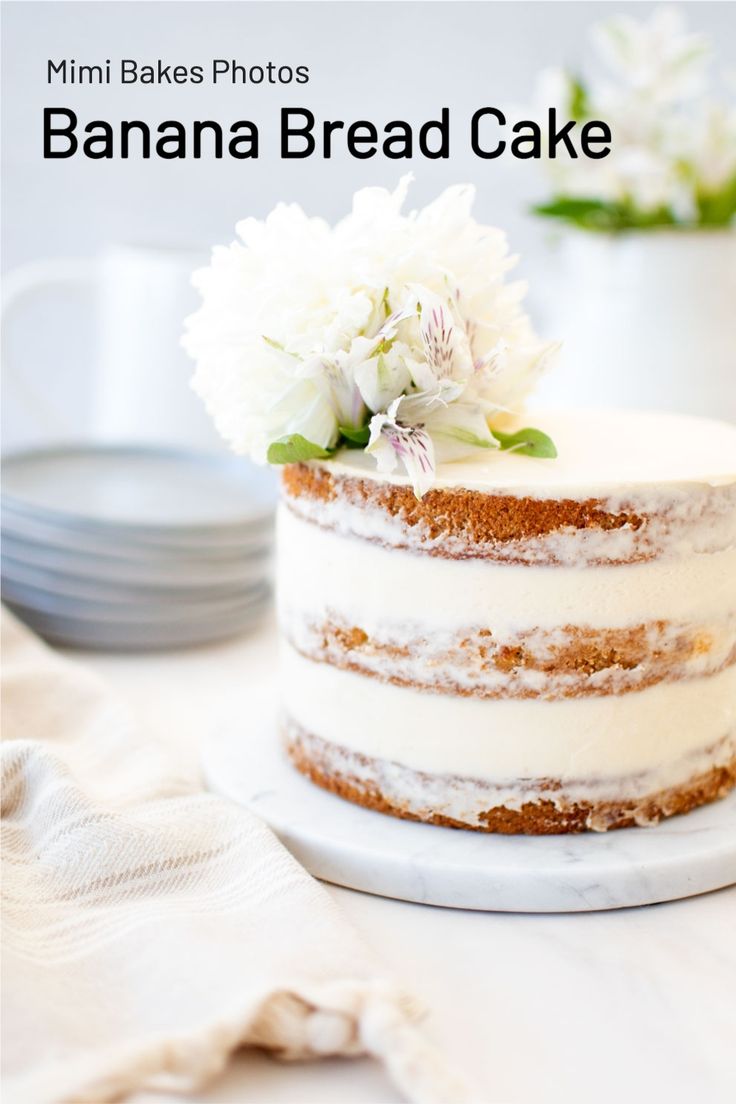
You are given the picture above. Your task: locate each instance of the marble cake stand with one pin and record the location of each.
(349, 846)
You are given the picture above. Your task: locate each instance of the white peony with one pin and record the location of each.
(388, 327)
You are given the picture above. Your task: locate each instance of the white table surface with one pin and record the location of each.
(636, 1005)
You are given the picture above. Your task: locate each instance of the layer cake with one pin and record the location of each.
(534, 646)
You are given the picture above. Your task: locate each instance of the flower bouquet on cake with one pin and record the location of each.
(394, 333)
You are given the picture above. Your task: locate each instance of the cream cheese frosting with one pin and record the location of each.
(372, 585)
(585, 740)
(598, 452)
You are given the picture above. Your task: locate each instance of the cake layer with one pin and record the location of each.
(462, 524)
(531, 808)
(568, 662)
(588, 740)
(474, 627)
(620, 492)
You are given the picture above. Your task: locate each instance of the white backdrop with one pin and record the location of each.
(377, 61)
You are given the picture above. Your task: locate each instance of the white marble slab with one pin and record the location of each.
(361, 849)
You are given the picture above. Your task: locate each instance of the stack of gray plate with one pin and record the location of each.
(135, 547)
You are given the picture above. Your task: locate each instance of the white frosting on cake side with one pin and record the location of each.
(607, 743)
(373, 586)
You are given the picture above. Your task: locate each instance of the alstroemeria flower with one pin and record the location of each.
(454, 429)
(384, 378)
(393, 443)
(447, 349)
(335, 379)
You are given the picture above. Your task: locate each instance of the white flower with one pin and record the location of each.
(445, 338)
(656, 57)
(405, 321)
(674, 144)
(425, 426)
(392, 443)
(384, 377)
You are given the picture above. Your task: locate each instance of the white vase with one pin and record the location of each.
(647, 319)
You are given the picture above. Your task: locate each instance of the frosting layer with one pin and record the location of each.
(321, 570)
(617, 453)
(607, 741)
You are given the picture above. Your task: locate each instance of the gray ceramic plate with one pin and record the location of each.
(134, 609)
(65, 571)
(122, 636)
(139, 488)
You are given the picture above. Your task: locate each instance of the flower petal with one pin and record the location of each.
(379, 444)
(444, 337)
(410, 445)
(335, 381)
(417, 407)
(381, 380)
(458, 429)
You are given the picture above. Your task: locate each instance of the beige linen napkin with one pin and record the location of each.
(150, 930)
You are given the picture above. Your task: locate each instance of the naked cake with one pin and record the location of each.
(485, 624)
(533, 646)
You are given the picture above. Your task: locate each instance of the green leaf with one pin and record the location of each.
(571, 207)
(597, 214)
(356, 436)
(718, 208)
(588, 214)
(529, 442)
(294, 449)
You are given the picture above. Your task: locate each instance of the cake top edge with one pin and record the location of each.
(596, 449)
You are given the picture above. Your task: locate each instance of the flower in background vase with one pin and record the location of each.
(396, 333)
(673, 160)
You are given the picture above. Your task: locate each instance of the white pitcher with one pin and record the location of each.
(140, 384)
